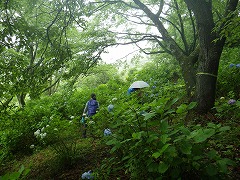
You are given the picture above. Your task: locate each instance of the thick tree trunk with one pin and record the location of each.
(210, 52)
(207, 78)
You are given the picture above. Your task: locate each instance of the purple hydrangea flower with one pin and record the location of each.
(231, 65)
(238, 65)
(232, 101)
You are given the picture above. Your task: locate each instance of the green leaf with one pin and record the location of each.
(211, 125)
(186, 147)
(184, 130)
(164, 148)
(148, 115)
(117, 146)
(170, 111)
(164, 138)
(21, 169)
(137, 135)
(224, 128)
(203, 134)
(181, 109)
(111, 142)
(162, 168)
(160, 152)
(14, 175)
(212, 154)
(156, 154)
(191, 105)
(211, 170)
(169, 104)
(223, 163)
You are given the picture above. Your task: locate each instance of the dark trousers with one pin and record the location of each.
(85, 126)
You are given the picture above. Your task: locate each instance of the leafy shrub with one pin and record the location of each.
(62, 136)
(16, 135)
(148, 147)
(229, 73)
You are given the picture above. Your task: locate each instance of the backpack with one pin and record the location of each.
(92, 107)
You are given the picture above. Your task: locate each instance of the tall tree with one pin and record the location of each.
(186, 30)
(52, 38)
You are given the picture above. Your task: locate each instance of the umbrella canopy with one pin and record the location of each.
(139, 84)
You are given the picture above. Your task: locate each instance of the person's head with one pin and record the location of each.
(93, 96)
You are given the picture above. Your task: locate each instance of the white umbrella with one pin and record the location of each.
(139, 84)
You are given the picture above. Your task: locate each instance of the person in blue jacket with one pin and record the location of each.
(91, 108)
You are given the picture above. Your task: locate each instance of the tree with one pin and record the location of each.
(185, 31)
(54, 40)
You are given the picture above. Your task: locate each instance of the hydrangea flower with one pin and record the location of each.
(43, 135)
(110, 107)
(87, 175)
(107, 132)
(91, 122)
(37, 133)
(238, 65)
(231, 65)
(232, 101)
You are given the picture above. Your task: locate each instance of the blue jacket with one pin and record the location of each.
(91, 107)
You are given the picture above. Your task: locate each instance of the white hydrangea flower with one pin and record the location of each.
(37, 133)
(43, 135)
(91, 122)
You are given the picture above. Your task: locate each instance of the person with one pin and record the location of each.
(91, 108)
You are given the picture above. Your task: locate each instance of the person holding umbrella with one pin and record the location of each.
(138, 86)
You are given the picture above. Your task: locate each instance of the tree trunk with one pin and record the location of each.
(207, 78)
(21, 99)
(188, 73)
(210, 52)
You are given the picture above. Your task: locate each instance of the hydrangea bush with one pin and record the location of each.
(149, 145)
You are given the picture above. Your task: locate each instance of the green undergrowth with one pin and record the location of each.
(46, 164)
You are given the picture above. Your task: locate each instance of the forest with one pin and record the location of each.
(183, 124)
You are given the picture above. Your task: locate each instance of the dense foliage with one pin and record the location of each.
(50, 63)
(156, 136)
